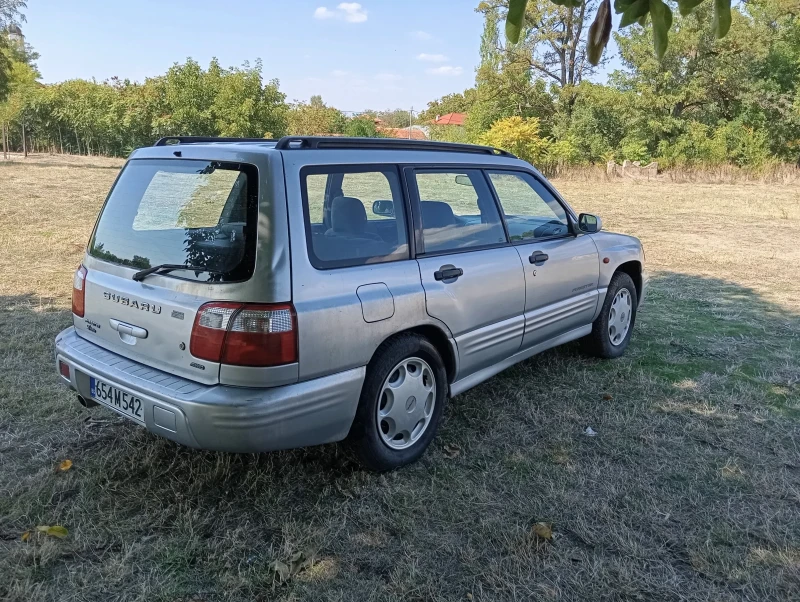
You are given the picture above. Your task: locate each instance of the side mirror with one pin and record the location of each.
(383, 208)
(589, 223)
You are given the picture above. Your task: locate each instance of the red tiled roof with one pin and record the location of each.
(402, 133)
(451, 119)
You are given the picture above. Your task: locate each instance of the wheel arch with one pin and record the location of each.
(634, 270)
(439, 339)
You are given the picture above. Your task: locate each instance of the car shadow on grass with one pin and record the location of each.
(686, 492)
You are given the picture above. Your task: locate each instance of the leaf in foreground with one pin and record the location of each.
(65, 465)
(599, 33)
(661, 16)
(514, 19)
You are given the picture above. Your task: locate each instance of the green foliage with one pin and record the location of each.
(362, 127)
(632, 11)
(315, 118)
(457, 102)
(117, 116)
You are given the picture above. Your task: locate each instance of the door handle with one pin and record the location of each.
(129, 329)
(448, 272)
(538, 257)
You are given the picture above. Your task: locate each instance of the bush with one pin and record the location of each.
(519, 136)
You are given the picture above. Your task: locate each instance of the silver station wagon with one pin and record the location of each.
(254, 295)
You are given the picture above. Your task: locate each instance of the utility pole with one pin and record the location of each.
(410, 121)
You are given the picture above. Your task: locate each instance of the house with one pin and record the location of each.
(450, 119)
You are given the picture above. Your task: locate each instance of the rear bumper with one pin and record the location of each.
(220, 417)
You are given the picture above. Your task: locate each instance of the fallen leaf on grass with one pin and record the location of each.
(54, 531)
(26, 536)
(451, 450)
(607, 397)
(543, 531)
(65, 465)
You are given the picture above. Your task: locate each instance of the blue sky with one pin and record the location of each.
(373, 54)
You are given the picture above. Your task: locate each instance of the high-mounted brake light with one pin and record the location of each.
(79, 292)
(245, 334)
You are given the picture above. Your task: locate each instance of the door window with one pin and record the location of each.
(457, 211)
(531, 211)
(353, 216)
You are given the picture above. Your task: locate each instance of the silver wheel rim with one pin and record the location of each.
(405, 403)
(619, 316)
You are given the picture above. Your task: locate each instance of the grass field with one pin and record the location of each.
(689, 491)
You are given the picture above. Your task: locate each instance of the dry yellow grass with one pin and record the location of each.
(690, 490)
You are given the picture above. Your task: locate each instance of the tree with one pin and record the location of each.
(749, 77)
(314, 118)
(457, 102)
(10, 12)
(633, 11)
(553, 40)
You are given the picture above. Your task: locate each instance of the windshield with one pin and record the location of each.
(185, 212)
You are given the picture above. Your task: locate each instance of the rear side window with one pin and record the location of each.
(201, 214)
(354, 216)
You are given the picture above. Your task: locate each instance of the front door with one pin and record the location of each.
(561, 270)
(472, 277)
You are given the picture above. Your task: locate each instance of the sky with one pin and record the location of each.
(374, 54)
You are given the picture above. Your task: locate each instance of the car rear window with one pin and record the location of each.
(176, 211)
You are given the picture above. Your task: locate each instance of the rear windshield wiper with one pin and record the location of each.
(167, 267)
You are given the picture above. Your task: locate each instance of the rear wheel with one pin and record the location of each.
(401, 403)
(611, 331)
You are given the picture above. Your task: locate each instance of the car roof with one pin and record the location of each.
(320, 150)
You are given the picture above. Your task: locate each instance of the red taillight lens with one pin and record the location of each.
(245, 334)
(79, 292)
(63, 368)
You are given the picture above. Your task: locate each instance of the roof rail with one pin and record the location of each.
(170, 140)
(320, 142)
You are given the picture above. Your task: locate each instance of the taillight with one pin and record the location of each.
(79, 292)
(245, 334)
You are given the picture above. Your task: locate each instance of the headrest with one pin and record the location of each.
(436, 214)
(348, 215)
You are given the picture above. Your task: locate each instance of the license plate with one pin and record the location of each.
(121, 401)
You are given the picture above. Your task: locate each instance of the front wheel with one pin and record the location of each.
(401, 403)
(611, 331)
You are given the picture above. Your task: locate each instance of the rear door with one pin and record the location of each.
(472, 276)
(561, 270)
(202, 214)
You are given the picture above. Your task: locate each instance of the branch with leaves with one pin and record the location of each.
(632, 11)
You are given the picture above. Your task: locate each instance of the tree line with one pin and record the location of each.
(707, 101)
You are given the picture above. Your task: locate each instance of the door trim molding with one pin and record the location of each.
(481, 375)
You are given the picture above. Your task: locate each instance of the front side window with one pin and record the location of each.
(457, 211)
(201, 214)
(354, 216)
(531, 211)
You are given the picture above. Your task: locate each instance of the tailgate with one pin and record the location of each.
(145, 323)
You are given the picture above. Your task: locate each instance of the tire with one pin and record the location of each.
(407, 364)
(600, 343)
